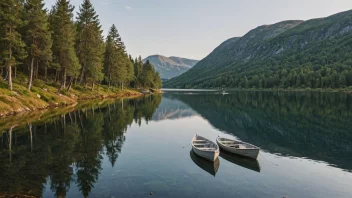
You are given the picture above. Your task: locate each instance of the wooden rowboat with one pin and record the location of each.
(208, 166)
(205, 148)
(237, 147)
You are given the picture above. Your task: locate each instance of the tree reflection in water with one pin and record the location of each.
(68, 148)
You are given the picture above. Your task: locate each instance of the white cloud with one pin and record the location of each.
(128, 7)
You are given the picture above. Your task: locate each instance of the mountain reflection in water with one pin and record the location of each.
(314, 125)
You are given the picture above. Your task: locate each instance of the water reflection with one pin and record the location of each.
(171, 109)
(210, 167)
(69, 148)
(300, 124)
(87, 152)
(244, 162)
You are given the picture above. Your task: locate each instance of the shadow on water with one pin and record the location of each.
(210, 167)
(248, 163)
(312, 125)
(68, 148)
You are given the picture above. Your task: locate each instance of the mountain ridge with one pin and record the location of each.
(169, 67)
(298, 46)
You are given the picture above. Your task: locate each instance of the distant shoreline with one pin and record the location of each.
(347, 90)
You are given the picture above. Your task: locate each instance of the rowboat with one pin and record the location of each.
(245, 162)
(237, 147)
(206, 165)
(205, 148)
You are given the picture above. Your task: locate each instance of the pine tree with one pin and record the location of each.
(147, 75)
(12, 47)
(115, 58)
(38, 36)
(64, 41)
(138, 67)
(90, 44)
(157, 81)
(109, 59)
(130, 71)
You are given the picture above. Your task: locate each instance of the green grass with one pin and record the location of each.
(22, 99)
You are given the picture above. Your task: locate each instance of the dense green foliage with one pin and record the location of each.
(37, 37)
(54, 47)
(290, 54)
(89, 44)
(12, 47)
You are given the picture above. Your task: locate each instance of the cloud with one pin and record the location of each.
(128, 7)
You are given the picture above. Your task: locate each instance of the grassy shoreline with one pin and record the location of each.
(43, 96)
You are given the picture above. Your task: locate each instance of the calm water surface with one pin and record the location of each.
(130, 148)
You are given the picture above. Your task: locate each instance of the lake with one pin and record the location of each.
(138, 147)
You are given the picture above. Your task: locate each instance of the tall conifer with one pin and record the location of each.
(12, 46)
(38, 36)
(64, 41)
(90, 44)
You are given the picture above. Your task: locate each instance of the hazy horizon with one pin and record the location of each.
(192, 29)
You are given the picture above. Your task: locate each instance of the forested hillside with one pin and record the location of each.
(291, 54)
(53, 47)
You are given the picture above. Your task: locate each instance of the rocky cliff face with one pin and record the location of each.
(169, 67)
(241, 56)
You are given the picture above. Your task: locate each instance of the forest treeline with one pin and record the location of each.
(58, 48)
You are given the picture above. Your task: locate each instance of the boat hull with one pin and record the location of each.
(250, 153)
(208, 166)
(208, 155)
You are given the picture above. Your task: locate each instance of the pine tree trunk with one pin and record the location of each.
(30, 75)
(36, 70)
(64, 78)
(45, 72)
(92, 85)
(10, 65)
(82, 73)
(9, 77)
(109, 80)
(69, 84)
(56, 76)
(15, 74)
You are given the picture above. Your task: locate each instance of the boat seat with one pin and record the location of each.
(239, 146)
(227, 142)
(199, 144)
(206, 149)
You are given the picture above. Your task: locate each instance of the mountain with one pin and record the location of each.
(169, 67)
(289, 54)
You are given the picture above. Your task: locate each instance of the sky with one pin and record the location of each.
(194, 28)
